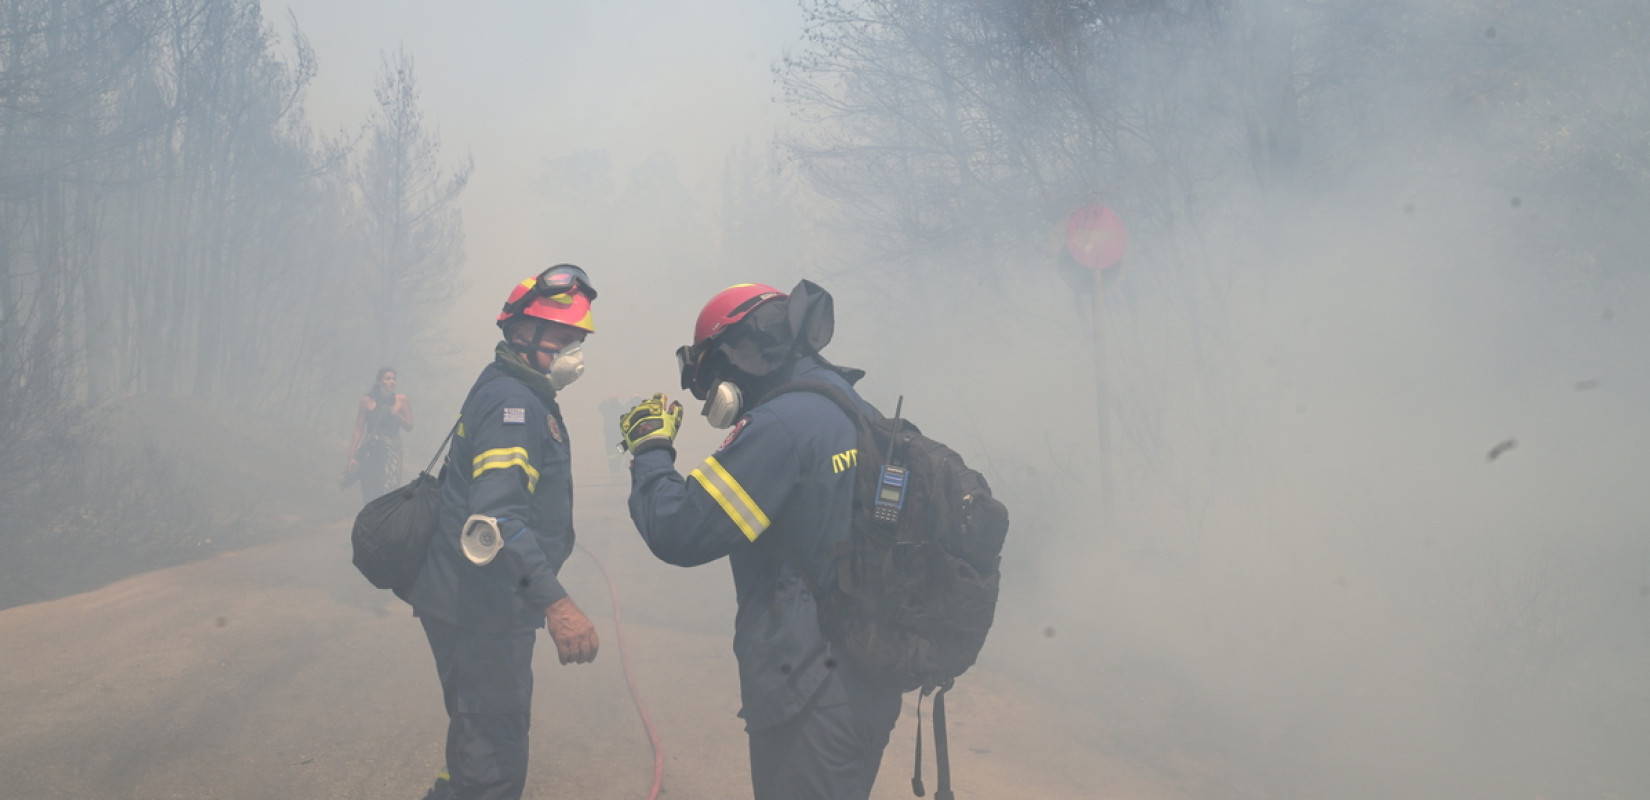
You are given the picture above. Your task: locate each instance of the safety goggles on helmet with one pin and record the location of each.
(723, 399)
(688, 359)
(555, 281)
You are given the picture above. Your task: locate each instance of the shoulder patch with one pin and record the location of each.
(733, 434)
(555, 427)
(842, 461)
(515, 416)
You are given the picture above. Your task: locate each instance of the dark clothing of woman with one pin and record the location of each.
(379, 459)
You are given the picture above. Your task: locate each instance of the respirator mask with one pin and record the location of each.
(723, 406)
(481, 539)
(723, 400)
(567, 366)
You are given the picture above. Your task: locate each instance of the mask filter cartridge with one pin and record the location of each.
(723, 406)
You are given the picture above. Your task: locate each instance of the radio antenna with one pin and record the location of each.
(898, 407)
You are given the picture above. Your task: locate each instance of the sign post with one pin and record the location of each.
(1096, 238)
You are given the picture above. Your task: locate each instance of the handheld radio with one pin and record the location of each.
(891, 483)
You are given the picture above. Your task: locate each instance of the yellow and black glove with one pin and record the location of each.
(652, 424)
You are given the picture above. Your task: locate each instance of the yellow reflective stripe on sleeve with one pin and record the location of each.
(734, 500)
(739, 491)
(724, 499)
(503, 458)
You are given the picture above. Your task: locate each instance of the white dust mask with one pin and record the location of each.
(566, 367)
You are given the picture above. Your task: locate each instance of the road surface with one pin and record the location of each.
(277, 672)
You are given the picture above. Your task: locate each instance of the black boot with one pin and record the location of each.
(441, 790)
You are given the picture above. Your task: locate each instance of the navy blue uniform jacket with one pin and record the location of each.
(509, 460)
(784, 474)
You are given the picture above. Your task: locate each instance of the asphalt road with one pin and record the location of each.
(277, 672)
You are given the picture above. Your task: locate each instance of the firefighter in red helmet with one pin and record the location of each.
(723, 398)
(489, 579)
(775, 498)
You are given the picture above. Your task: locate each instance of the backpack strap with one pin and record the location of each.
(942, 754)
(916, 769)
(942, 751)
(851, 410)
(832, 393)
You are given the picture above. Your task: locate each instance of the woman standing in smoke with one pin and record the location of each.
(375, 449)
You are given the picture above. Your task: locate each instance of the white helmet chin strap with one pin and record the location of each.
(724, 404)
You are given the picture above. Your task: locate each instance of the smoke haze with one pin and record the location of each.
(1377, 397)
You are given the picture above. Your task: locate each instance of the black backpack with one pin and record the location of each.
(392, 532)
(915, 591)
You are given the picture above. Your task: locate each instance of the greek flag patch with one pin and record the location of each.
(515, 416)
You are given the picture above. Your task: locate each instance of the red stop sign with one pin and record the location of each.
(1095, 237)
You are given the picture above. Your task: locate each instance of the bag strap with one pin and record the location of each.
(454, 432)
(942, 751)
(444, 442)
(942, 754)
(916, 769)
(846, 404)
(833, 393)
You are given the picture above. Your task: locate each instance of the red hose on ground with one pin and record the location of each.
(624, 660)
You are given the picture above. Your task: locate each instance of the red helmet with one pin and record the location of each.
(561, 294)
(729, 306)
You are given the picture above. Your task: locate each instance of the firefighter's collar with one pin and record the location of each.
(516, 367)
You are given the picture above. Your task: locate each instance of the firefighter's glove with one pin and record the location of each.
(652, 424)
